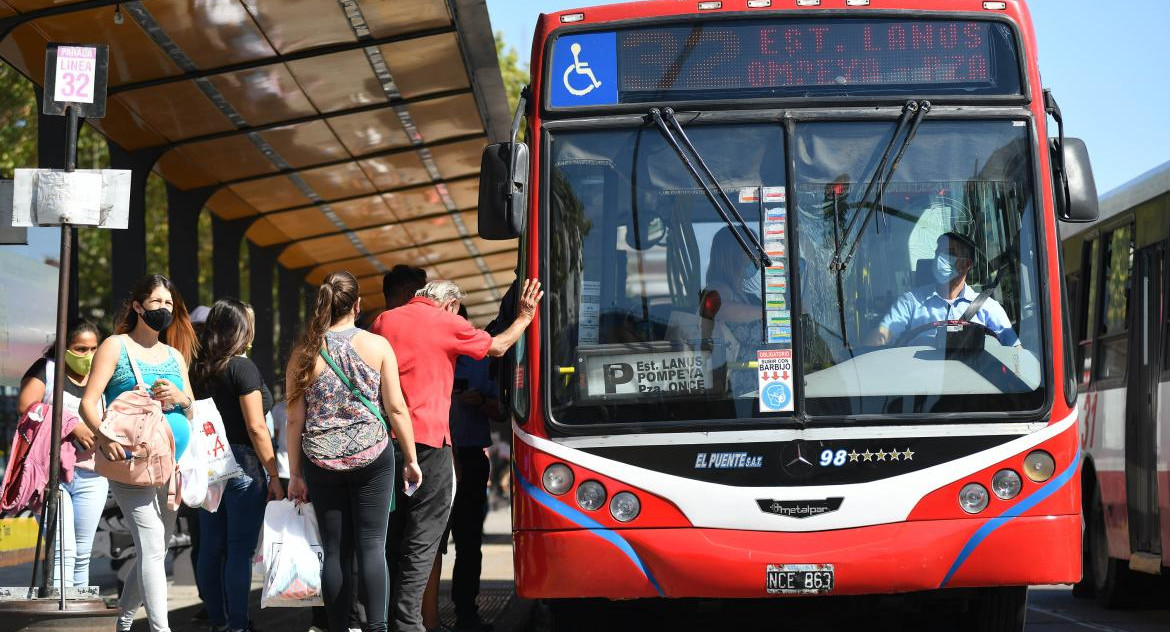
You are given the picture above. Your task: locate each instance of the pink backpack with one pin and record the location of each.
(136, 421)
(27, 474)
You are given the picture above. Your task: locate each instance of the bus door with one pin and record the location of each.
(1141, 440)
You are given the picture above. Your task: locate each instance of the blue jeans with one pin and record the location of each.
(227, 540)
(82, 502)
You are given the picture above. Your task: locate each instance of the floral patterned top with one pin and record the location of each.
(340, 432)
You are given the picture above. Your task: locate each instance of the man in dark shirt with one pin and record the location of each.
(427, 337)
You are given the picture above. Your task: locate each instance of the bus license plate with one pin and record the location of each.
(799, 579)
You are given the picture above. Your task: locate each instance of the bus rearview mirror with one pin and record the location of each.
(1075, 189)
(503, 190)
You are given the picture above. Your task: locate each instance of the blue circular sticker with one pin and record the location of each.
(776, 395)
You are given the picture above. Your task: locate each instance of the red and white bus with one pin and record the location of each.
(804, 325)
(1117, 286)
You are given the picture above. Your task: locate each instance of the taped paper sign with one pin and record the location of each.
(775, 373)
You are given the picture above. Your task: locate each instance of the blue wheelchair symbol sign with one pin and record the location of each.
(775, 396)
(584, 70)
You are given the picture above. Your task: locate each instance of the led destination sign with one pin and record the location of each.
(772, 58)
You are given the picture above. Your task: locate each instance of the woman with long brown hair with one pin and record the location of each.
(228, 537)
(338, 446)
(156, 333)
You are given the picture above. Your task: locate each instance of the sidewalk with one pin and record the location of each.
(497, 601)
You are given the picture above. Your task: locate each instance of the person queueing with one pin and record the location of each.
(337, 446)
(427, 335)
(84, 497)
(156, 331)
(223, 373)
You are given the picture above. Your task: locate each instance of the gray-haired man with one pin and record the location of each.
(427, 336)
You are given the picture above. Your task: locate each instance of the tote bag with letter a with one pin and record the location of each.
(216, 452)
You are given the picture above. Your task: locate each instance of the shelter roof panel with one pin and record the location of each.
(447, 117)
(182, 171)
(357, 266)
(416, 202)
(484, 310)
(426, 64)
(408, 256)
(312, 251)
(459, 159)
(363, 212)
(464, 192)
(502, 259)
(133, 55)
(481, 296)
(263, 95)
(271, 194)
(293, 25)
(370, 285)
(385, 237)
(394, 171)
(475, 282)
(176, 110)
(212, 34)
(392, 18)
(373, 300)
(227, 205)
(341, 181)
(229, 158)
(338, 81)
(24, 49)
(278, 228)
(368, 132)
(438, 228)
(126, 126)
(305, 144)
(461, 268)
(6, 11)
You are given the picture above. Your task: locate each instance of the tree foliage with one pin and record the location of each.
(514, 73)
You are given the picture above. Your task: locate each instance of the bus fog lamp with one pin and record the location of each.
(1006, 484)
(1039, 466)
(973, 498)
(558, 478)
(624, 507)
(591, 495)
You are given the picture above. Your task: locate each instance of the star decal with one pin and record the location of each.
(853, 455)
(908, 455)
(881, 455)
(867, 455)
(894, 454)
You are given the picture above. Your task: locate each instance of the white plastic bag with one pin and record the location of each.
(217, 453)
(193, 468)
(291, 556)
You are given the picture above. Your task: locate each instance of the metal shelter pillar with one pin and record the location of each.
(51, 155)
(262, 264)
(183, 209)
(226, 236)
(291, 322)
(128, 247)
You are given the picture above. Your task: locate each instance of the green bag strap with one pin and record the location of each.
(353, 389)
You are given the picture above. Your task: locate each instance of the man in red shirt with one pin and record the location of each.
(428, 335)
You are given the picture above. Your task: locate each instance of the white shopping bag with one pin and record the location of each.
(291, 556)
(220, 462)
(193, 468)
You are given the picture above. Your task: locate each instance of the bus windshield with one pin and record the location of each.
(658, 314)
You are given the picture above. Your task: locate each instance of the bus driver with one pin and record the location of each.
(946, 299)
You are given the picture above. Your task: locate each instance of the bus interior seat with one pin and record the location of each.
(924, 272)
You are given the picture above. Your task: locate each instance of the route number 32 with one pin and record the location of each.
(74, 85)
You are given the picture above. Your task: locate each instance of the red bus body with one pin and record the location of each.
(924, 541)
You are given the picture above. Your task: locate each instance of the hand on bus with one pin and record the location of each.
(530, 298)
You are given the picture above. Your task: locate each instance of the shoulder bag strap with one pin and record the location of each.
(355, 391)
(133, 364)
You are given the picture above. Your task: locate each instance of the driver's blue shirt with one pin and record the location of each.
(924, 305)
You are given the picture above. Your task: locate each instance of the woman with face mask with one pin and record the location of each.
(156, 332)
(83, 497)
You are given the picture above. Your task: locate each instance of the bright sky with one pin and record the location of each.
(1106, 63)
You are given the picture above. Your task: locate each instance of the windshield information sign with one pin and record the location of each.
(775, 371)
(584, 70)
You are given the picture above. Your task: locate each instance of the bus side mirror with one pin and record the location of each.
(1072, 179)
(503, 190)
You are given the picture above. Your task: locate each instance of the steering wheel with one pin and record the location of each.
(911, 334)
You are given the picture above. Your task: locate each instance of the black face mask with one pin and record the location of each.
(157, 319)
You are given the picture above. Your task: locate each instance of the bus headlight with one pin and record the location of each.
(1006, 484)
(1039, 466)
(973, 498)
(624, 507)
(558, 478)
(591, 495)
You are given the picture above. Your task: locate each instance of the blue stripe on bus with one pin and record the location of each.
(1014, 511)
(594, 527)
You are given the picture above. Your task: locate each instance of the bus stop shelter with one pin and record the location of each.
(325, 134)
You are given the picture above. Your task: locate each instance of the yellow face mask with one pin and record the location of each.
(79, 364)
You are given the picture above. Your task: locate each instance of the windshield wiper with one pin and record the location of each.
(661, 117)
(918, 110)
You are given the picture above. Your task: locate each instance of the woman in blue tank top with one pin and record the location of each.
(157, 334)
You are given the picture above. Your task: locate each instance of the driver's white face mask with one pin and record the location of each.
(944, 267)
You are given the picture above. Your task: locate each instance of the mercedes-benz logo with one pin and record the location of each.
(794, 461)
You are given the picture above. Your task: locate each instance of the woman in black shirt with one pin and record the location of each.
(228, 537)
